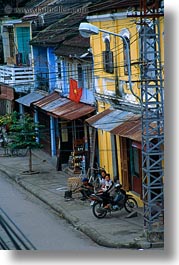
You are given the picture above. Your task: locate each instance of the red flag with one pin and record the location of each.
(75, 92)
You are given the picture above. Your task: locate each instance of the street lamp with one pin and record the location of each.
(87, 29)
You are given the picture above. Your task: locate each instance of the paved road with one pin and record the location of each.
(39, 223)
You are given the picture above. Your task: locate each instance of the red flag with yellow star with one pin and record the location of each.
(75, 92)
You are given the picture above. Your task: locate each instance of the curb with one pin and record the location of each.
(87, 230)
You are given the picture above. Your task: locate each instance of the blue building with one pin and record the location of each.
(60, 55)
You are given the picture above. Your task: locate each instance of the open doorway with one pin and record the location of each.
(131, 165)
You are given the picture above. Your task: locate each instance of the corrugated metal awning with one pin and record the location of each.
(131, 128)
(118, 122)
(57, 106)
(50, 106)
(46, 100)
(30, 98)
(72, 110)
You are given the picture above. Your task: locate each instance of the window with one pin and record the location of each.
(108, 62)
(80, 76)
(69, 70)
(23, 47)
(59, 70)
(88, 76)
(135, 154)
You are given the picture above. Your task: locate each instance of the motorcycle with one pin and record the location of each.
(117, 202)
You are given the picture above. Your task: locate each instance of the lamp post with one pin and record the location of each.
(87, 29)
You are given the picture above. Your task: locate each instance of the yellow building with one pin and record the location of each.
(118, 121)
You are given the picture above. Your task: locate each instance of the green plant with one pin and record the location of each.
(24, 133)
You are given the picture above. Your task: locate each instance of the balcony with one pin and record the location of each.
(21, 78)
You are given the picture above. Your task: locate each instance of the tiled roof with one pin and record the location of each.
(59, 31)
(112, 5)
(75, 46)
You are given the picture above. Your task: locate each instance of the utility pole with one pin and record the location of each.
(152, 102)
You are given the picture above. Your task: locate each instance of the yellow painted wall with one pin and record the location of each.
(116, 45)
(106, 82)
(105, 150)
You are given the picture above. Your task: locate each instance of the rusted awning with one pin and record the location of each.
(46, 100)
(72, 110)
(57, 106)
(131, 128)
(118, 122)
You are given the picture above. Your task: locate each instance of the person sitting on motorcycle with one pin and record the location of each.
(103, 175)
(107, 183)
(106, 188)
(86, 189)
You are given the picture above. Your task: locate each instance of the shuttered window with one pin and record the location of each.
(108, 62)
(23, 47)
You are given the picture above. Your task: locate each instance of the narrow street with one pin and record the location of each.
(44, 228)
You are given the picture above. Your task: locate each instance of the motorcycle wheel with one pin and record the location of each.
(130, 205)
(97, 210)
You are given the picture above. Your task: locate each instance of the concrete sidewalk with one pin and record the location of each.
(49, 185)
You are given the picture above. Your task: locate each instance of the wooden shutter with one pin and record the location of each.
(124, 163)
(108, 62)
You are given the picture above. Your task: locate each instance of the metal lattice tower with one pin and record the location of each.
(152, 121)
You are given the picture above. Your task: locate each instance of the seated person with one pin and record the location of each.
(86, 189)
(107, 183)
(106, 188)
(103, 175)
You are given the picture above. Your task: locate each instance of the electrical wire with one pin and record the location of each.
(97, 69)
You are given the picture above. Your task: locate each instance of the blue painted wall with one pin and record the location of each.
(87, 94)
(51, 68)
(41, 68)
(66, 74)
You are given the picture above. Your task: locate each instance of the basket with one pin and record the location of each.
(74, 183)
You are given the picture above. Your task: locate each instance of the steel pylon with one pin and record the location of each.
(152, 102)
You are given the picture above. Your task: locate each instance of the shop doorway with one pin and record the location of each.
(69, 132)
(131, 165)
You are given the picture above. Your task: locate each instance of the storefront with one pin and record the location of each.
(65, 124)
(119, 143)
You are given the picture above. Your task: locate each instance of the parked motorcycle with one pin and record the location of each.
(117, 202)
